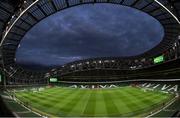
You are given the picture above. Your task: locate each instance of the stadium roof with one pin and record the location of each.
(167, 12)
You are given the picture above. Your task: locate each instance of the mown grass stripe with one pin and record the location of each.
(121, 104)
(129, 103)
(102, 111)
(81, 105)
(90, 107)
(111, 108)
(63, 107)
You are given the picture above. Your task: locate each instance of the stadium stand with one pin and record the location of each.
(4, 111)
(171, 111)
(24, 9)
(18, 16)
(17, 108)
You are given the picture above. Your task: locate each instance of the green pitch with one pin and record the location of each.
(125, 101)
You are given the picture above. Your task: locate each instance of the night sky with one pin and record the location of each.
(86, 31)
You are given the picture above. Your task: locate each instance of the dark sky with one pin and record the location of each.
(86, 31)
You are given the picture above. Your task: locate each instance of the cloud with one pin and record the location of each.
(88, 31)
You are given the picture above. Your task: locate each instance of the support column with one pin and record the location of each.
(3, 77)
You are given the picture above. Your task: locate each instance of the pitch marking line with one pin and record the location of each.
(173, 100)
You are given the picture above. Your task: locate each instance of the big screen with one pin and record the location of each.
(159, 59)
(53, 80)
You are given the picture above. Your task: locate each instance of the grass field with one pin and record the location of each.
(124, 101)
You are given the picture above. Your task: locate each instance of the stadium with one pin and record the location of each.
(143, 85)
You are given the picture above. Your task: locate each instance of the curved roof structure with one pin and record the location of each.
(167, 12)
